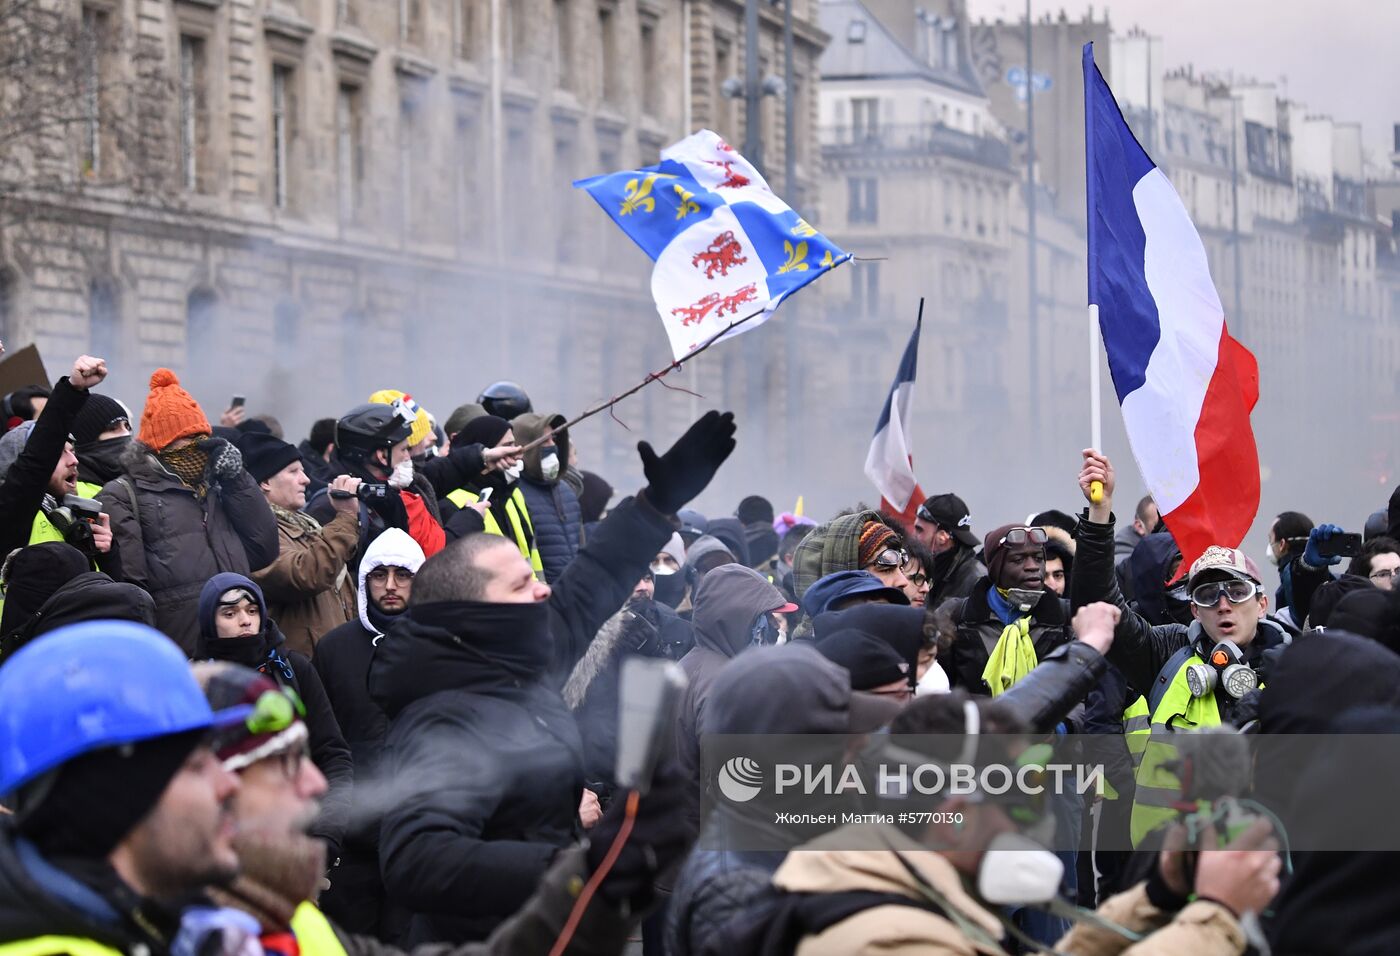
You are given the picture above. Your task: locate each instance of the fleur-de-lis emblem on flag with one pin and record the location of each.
(826, 260)
(796, 258)
(638, 195)
(804, 229)
(688, 204)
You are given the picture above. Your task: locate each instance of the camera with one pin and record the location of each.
(365, 492)
(73, 518)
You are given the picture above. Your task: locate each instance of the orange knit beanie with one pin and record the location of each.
(171, 413)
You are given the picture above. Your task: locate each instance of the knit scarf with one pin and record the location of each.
(275, 876)
(297, 519)
(189, 464)
(1013, 657)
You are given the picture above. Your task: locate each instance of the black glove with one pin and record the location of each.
(225, 460)
(674, 479)
(660, 838)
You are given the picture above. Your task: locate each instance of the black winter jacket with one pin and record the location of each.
(1141, 650)
(37, 898)
(960, 572)
(558, 523)
(979, 629)
(90, 596)
(26, 482)
(173, 541)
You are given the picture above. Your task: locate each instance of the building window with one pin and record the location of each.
(283, 132)
(466, 28)
(350, 153)
(514, 35)
(194, 114)
(867, 288)
(865, 119)
(862, 199)
(104, 320)
(286, 325)
(607, 31)
(724, 69)
(408, 137)
(651, 82)
(345, 13)
(468, 179)
(518, 180)
(566, 249)
(94, 56)
(201, 323)
(563, 44)
(9, 304)
(410, 22)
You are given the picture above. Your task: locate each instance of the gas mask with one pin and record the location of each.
(1023, 599)
(549, 463)
(1017, 871)
(514, 472)
(402, 475)
(1224, 667)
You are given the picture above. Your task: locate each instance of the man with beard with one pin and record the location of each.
(120, 808)
(470, 679)
(1011, 621)
(356, 897)
(38, 467)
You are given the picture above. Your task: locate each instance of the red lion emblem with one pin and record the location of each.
(732, 179)
(714, 302)
(724, 147)
(722, 253)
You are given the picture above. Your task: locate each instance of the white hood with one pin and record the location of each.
(395, 548)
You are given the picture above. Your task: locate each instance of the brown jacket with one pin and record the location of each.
(308, 590)
(1201, 929)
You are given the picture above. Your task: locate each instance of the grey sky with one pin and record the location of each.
(1338, 58)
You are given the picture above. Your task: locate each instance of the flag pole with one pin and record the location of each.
(1091, 260)
(1095, 391)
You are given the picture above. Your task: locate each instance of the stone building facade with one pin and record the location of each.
(336, 196)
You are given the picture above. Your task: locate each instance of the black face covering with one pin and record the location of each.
(100, 462)
(381, 621)
(514, 637)
(248, 651)
(669, 589)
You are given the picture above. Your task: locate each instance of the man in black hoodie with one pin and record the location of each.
(470, 679)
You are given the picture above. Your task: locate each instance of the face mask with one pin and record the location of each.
(1017, 871)
(514, 471)
(934, 681)
(549, 463)
(1224, 667)
(402, 475)
(103, 458)
(1269, 553)
(1023, 599)
(669, 588)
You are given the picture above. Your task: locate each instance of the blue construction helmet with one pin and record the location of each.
(94, 685)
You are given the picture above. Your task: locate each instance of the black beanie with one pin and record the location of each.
(264, 455)
(95, 417)
(1330, 594)
(96, 799)
(755, 508)
(484, 430)
(870, 661)
(35, 573)
(1364, 611)
(594, 499)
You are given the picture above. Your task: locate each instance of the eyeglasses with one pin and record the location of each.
(900, 695)
(291, 760)
(380, 575)
(892, 558)
(275, 711)
(916, 578)
(1023, 535)
(1237, 591)
(1384, 575)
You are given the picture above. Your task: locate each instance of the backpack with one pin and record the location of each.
(777, 922)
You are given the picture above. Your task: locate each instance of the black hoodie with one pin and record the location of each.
(485, 760)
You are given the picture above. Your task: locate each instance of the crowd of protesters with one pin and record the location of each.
(363, 694)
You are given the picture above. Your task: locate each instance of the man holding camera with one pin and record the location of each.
(41, 499)
(1190, 677)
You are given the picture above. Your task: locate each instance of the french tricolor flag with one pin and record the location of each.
(1186, 387)
(890, 463)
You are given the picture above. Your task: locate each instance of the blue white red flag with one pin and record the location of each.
(723, 244)
(1185, 386)
(890, 462)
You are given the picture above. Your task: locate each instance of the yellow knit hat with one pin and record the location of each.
(422, 423)
(171, 413)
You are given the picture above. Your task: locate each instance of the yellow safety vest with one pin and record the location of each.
(519, 522)
(43, 529)
(55, 945)
(1149, 737)
(315, 936)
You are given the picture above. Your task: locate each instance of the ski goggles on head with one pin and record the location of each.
(1024, 536)
(1235, 590)
(274, 711)
(892, 558)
